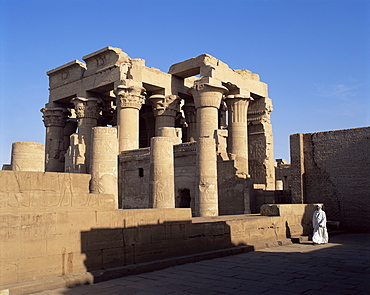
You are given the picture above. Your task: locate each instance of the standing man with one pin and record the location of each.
(320, 233)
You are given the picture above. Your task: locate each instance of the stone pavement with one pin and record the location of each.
(340, 267)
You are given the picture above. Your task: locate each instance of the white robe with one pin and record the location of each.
(320, 233)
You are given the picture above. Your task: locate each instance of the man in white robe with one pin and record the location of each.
(320, 233)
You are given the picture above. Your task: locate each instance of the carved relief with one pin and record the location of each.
(259, 111)
(65, 75)
(100, 60)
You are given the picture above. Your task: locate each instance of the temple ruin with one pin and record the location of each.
(198, 136)
(143, 170)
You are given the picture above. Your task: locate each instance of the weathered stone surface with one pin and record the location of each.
(333, 167)
(162, 175)
(28, 156)
(104, 158)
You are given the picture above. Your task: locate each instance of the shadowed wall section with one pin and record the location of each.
(54, 233)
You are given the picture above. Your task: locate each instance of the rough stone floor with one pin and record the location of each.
(340, 267)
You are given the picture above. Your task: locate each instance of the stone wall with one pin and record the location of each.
(55, 234)
(231, 190)
(333, 168)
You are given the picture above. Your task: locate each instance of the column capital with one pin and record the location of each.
(87, 107)
(165, 105)
(130, 96)
(54, 116)
(238, 97)
(238, 107)
(207, 94)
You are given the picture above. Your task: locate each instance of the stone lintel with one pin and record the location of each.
(248, 74)
(192, 66)
(209, 66)
(67, 66)
(65, 74)
(104, 59)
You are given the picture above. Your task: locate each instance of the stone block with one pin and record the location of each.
(102, 239)
(94, 259)
(113, 257)
(144, 235)
(39, 267)
(194, 230)
(177, 214)
(175, 230)
(9, 272)
(66, 73)
(149, 216)
(130, 236)
(104, 59)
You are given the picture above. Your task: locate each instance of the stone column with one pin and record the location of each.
(237, 142)
(191, 120)
(130, 98)
(206, 193)
(28, 156)
(54, 120)
(165, 109)
(87, 112)
(104, 162)
(162, 175)
(207, 99)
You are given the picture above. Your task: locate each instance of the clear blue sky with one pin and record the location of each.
(314, 55)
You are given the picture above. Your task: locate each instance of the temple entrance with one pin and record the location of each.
(185, 199)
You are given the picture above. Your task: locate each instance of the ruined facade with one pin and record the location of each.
(333, 167)
(198, 136)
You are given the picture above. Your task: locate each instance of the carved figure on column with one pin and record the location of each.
(165, 105)
(55, 120)
(88, 111)
(87, 107)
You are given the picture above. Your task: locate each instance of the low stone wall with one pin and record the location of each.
(58, 234)
(297, 217)
(28, 191)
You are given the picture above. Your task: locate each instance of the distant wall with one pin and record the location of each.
(334, 168)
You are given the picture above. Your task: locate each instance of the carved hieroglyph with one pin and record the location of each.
(104, 155)
(206, 198)
(28, 156)
(162, 179)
